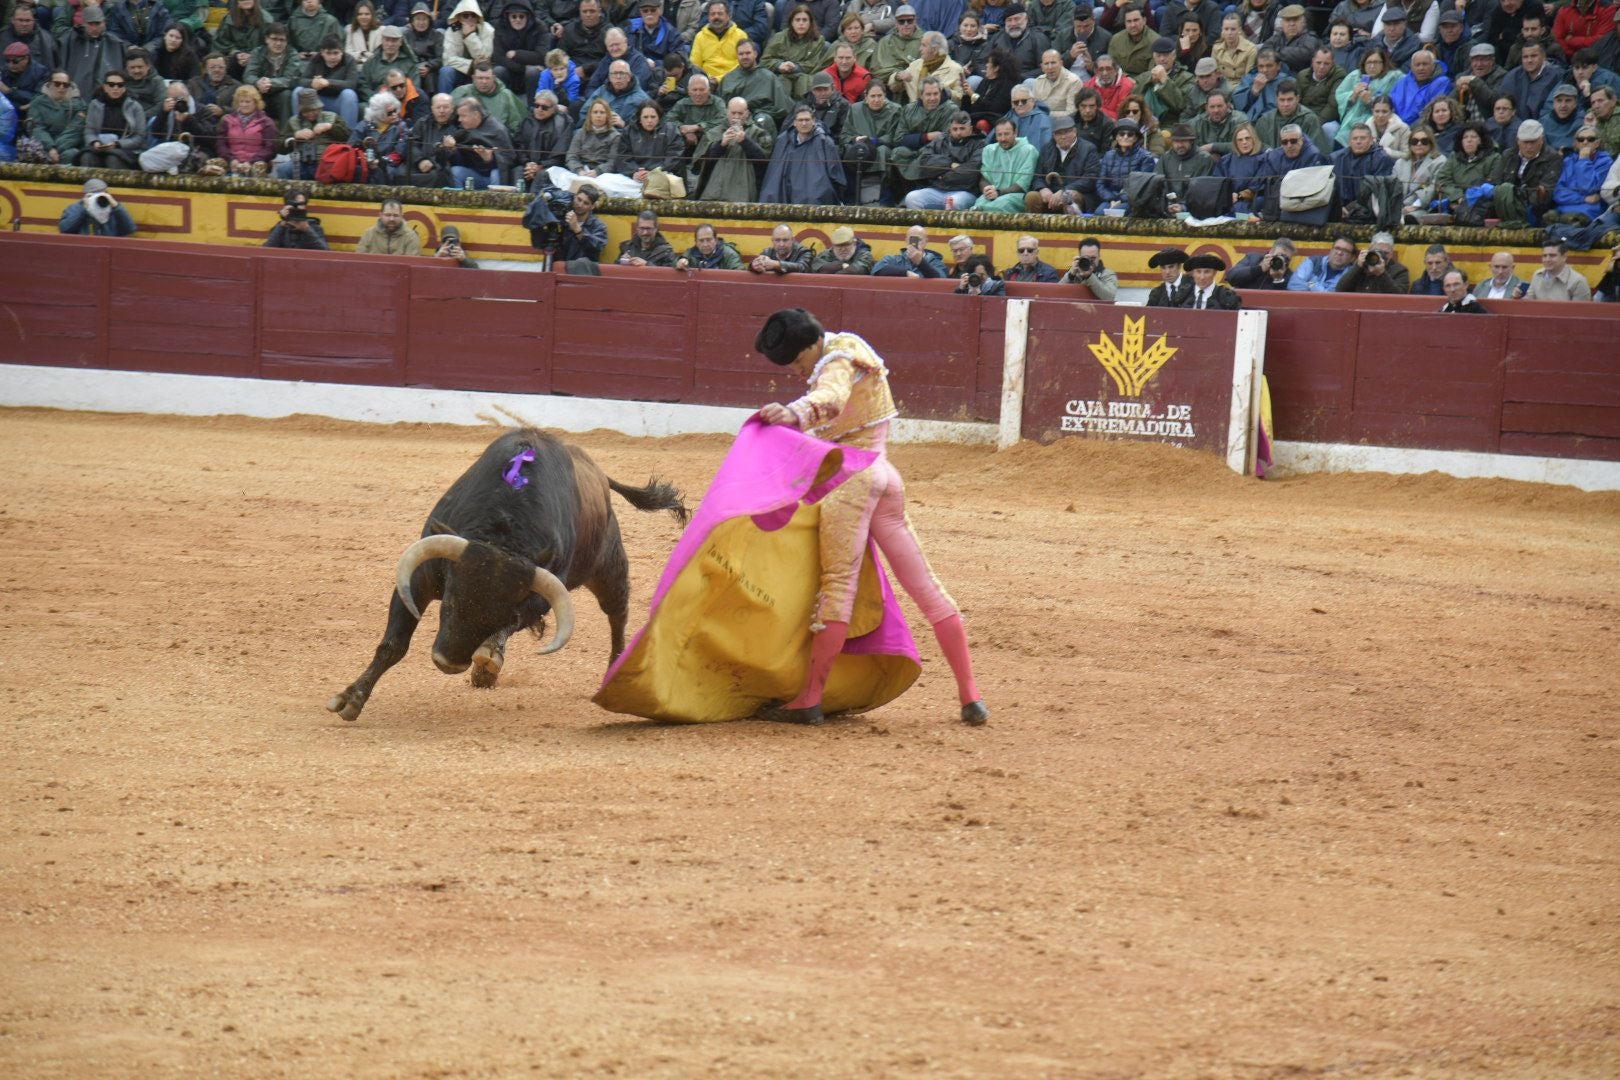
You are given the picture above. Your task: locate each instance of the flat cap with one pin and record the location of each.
(1531, 130)
(1165, 45)
(1206, 66)
(1482, 49)
(821, 78)
(1292, 11)
(843, 235)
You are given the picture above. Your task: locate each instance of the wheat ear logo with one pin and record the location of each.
(1130, 365)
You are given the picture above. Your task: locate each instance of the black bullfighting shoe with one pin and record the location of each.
(776, 713)
(974, 713)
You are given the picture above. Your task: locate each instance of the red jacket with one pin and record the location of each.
(1575, 30)
(854, 87)
(1114, 96)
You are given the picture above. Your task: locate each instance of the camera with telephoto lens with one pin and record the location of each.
(1373, 258)
(101, 200)
(1277, 263)
(297, 213)
(1084, 264)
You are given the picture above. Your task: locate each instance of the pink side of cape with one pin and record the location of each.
(769, 470)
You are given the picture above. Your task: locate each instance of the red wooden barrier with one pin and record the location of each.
(1538, 378)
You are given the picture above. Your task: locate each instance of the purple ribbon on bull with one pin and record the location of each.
(514, 472)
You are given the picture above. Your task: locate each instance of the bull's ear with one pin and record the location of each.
(439, 527)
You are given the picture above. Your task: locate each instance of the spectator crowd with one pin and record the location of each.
(1364, 112)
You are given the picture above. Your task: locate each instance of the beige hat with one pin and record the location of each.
(843, 235)
(1292, 11)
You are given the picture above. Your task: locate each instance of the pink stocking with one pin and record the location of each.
(953, 642)
(824, 649)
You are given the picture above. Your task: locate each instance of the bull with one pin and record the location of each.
(531, 520)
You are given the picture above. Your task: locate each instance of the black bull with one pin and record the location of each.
(503, 547)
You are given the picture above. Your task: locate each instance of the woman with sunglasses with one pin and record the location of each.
(1123, 158)
(1576, 199)
(1418, 171)
(56, 120)
(114, 127)
(382, 135)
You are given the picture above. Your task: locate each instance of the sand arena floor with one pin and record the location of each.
(1293, 778)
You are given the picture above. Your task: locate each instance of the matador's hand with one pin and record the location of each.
(778, 414)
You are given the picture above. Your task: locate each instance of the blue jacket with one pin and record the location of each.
(648, 74)
(1410, 96)
(26, 85)
(1276, 163)
(1579, 179)
(655, 45)
(810, 173)
(751, 16)
(1117, 167)
(121, 24)
(1561, 133)
(1315, 275)
(897, 265)
(570, 88)
(625, 104)
(8, 130)
(1036, 127)
(1348, 169)
(1256, 105)
(77, 220)
(1532, 96)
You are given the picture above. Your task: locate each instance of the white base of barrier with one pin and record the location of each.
(206, 395)
(1297, 457)
(95, 390)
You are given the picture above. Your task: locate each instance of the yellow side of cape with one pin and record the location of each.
(733, 632)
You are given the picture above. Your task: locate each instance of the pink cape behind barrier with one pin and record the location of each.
(729, 624)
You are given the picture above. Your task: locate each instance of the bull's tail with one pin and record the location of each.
(657, 495)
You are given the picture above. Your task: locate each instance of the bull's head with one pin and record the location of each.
(483, 587)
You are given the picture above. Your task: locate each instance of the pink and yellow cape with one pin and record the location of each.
(729, 626)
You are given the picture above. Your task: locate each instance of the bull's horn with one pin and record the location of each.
(555, 593)
(438, 546)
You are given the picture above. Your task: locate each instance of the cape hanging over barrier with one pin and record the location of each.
(729, 626)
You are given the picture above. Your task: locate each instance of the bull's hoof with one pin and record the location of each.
(345, 706)
(975, 714)
(486, 665)
(779, 714)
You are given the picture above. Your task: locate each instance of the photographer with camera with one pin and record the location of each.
(297, 230)
(566, 226)
(979, 277)
(914, 260)
(1370, 274)
(97, 213)
(1268, 271)
(450, 249)
(1088, 270)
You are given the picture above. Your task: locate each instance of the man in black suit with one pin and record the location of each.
(1205, 293)
(1175, 285)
